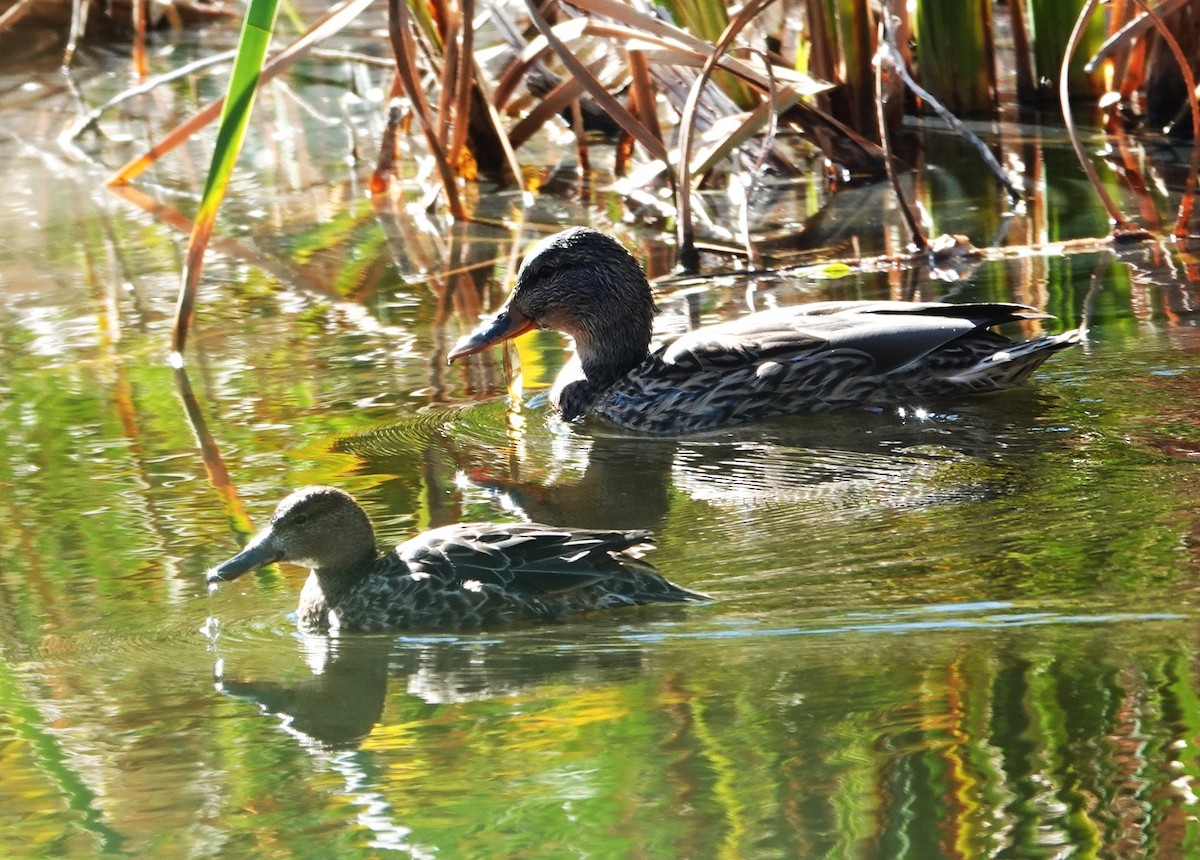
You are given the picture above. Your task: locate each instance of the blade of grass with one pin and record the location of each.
(954, 53)
(235, 118)
(1054, 26)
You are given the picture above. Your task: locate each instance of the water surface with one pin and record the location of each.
(959, 630)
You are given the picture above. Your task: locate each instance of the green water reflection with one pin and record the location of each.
(969, 632)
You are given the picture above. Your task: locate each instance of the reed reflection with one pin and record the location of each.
(932, 743)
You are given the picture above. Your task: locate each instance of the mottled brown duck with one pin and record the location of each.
(452, 578)
(807, 358)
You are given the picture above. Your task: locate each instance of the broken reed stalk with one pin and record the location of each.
(488, 105)
(764, 152)
(385, 164)
(604, 100)
(15, 13)
(914, 228)
(79, 16)
(1136, 28)
(1022, 52)
(643, 92)
(464, 80)
(67, 138)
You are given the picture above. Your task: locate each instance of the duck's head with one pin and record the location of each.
(585, 284)
(320, 528)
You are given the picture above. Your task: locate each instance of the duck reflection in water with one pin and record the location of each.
(337, 705)
(456, 577)
(598, 477)
(335, 696)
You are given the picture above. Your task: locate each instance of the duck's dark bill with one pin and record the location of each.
(505, 325)
(259, 552)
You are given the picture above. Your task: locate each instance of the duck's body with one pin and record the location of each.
(452, 578)
(813, 358)
(808, 358)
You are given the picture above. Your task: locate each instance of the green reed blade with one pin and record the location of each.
(235, 117)
(955, 53)
(1051, 23)
(708, 19)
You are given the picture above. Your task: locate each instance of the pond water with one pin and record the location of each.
(957, 631)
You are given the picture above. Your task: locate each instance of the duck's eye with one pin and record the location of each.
(300, 519)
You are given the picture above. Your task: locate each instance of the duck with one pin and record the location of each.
(807, 358)
(457, 577)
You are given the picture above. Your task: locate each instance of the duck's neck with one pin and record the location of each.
(333, 582)
(610, 352)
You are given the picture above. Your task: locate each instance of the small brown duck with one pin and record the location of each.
(807, 358)
(451, 578)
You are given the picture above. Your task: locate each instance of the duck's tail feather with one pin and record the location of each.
(1013, 365)
(647, 585)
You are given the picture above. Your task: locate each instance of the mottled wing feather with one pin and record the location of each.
(816, 358)
(522, 559)
(893, 334)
